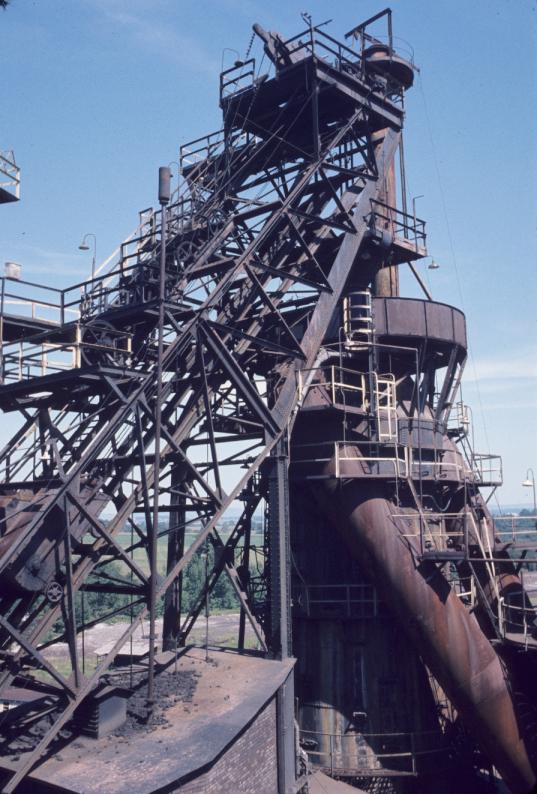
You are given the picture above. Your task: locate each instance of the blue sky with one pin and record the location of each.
(96, 94)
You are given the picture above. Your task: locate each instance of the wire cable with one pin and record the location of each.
(452, 251)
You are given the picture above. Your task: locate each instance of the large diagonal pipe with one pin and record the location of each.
(447, 636)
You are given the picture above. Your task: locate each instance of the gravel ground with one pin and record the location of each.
(223, 629)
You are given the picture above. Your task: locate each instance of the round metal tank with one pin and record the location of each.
(380, 59)
(364, 699)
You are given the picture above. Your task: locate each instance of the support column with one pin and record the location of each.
(286, 744)
(164, 177)
(279, 544)
(176, 548)
(245, 576)
(386, 281)
(280, 609)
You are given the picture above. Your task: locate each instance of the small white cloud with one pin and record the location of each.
(522, 365)
(38, 260)
(247, 8)
(158, 37)
(509, 406)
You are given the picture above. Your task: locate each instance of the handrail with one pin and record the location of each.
(343, 54)
(432, 530)
(22, 360)
(412, 745)
(506, 613)
(245, 71)
(10, 169)
(491, 474)
(399, 463)
(95, 293)
(350, 596)
(400, 221)
(508, 525)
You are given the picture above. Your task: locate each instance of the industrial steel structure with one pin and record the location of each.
(248, 345)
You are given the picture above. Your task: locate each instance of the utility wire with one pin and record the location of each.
(452, 252)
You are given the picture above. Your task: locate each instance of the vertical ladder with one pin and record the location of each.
(359, 332)
(385, 408)
(358, 319)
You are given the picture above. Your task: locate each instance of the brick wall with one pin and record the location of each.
(248, 766)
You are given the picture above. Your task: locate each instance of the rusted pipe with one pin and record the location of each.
(446, 635)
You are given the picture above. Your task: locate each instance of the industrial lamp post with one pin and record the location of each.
(85, 247)
(530, 483)
(164, 177)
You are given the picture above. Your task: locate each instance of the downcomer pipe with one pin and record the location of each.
(446, 635)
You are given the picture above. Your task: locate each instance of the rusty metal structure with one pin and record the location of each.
(248, 345)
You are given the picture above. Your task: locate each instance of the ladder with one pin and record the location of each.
(358, 319)
(385, 408)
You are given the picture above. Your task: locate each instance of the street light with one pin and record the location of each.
(85, 247)
(433, 265)
(164, 177)
(174, 162)
(176, 191)
(205, 556)
(530, 483)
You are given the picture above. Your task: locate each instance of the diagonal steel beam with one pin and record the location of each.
(29, 648)
(236, 375)
(105, 535)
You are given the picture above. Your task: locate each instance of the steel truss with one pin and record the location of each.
(258, 250)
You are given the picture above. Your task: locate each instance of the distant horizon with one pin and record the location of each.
(510, 507)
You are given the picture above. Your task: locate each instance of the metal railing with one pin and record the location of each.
(311, 42)
(459, 421)
(53, 309)
(58, 306)
(386, 459)
(378, 465)
(488, 469)
(518, 623)
(469, 597)
(23, 360)
(210, 146)
(349, 600)
(351, 389)
(237, 78)
(29, 300)
(316, 42)
(399, 223)
(368, 753)
(519, 530)
(344, 386)
(10, 175)
(391, 463)
(433, 530)
(437, 469)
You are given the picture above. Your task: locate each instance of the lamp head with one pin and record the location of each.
(83, 247)
(528, 483)
(433, 265)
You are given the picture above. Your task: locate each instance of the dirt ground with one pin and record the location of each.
(99, 640)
